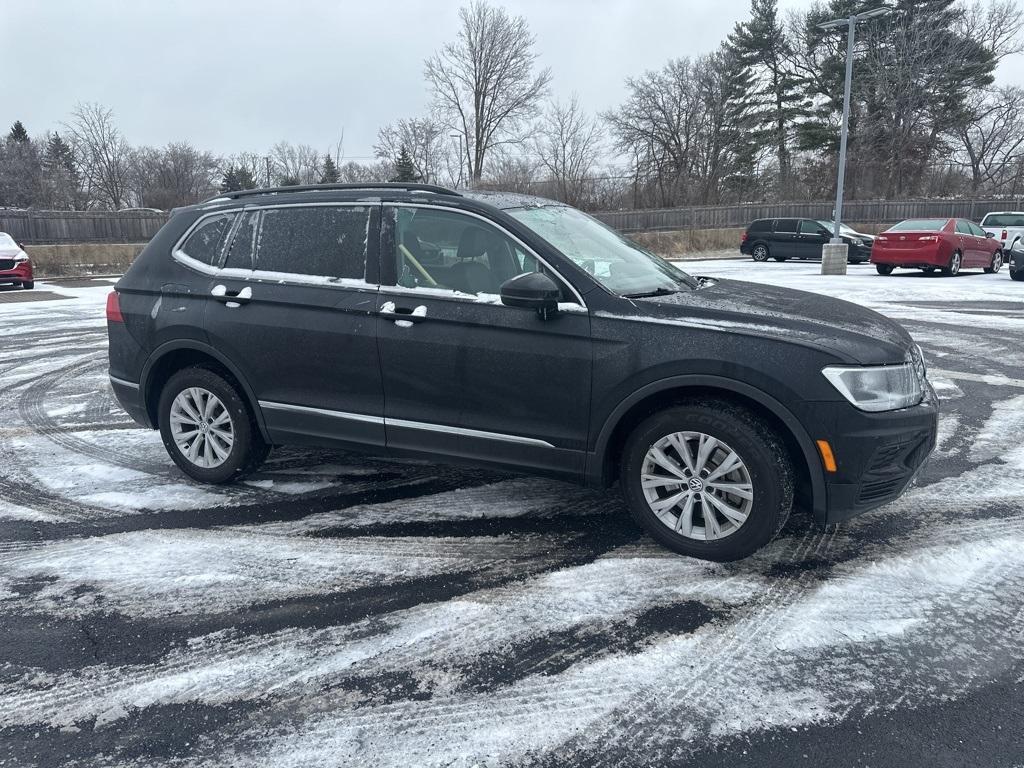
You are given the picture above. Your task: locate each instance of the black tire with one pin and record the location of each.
(28, 286)
(884, 269)
(764, 457)
(781, 258)
(996, 265)
(1017, 274)
(248, 449)
(760, 252)
(955, 262)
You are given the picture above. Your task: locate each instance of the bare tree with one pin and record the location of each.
(179, 174)
(296, 163)
(423, 139)
(993, 143)
(568, 144)
(511, 171)
(484, 83)
(996, 24)
(102, 154)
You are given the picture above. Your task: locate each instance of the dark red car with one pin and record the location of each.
(15, 265)
(930, 244)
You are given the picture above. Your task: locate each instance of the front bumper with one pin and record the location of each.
(878, 456)
(20, 273)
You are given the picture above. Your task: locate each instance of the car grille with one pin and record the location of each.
(892, 466)
(6, 264)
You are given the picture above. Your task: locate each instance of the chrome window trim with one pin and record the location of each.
(122, 382)
(256, 274)
(458, 295)
(420, 425)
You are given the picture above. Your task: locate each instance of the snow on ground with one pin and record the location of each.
(343, 610)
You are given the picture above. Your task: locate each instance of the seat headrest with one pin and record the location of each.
(474, 242)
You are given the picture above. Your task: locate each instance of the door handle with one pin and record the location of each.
(233, 299)
(403, 317)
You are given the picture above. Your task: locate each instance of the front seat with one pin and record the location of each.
(467, 274)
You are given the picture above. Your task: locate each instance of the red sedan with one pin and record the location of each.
(931, 244)
(15, 265)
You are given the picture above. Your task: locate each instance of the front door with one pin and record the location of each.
(294, 311)
(811, 239)
(463, 374)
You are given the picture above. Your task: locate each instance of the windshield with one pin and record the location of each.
(6, 241)
(1003, 220)
(919, 225)
(617, 263)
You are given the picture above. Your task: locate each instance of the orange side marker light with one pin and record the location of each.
(827, 458)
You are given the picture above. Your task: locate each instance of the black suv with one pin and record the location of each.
(783, 239)
(519, 333)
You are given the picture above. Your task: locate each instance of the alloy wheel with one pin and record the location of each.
(760, 253)
(954, 264)
(697, 485)
(201, 427)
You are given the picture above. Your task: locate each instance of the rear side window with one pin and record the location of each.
(761, 225)
(785, 225)
(240, 251)
(206, 242)
(325, 241)
(1003, 220)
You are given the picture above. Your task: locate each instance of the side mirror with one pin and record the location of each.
(532, 290)
(990, 234)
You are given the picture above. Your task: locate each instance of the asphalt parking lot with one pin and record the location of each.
(339, 610)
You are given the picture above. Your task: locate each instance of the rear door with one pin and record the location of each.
(293, 310)
(810, 239)
(463, 374)
(784, 239)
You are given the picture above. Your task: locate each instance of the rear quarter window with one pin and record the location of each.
(761, 225)
(206, 241)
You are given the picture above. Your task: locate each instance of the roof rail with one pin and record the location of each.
(397, 185)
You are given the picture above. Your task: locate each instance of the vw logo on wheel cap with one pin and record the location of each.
(696, 484)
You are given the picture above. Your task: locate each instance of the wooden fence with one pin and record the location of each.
(54, 227)
(57, 227)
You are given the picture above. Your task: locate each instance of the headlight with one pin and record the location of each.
(21, 257)
(878, 388)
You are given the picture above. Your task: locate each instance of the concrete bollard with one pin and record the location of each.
(833, 258)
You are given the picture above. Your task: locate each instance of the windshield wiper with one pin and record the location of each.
(655, 292)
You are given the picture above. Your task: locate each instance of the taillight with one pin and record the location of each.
(928, 238)
(744, 236)
(114, 308)
(1004, 235)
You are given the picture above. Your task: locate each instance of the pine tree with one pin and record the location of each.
(330, 174)
(245, 179)
(230, 181)
(405, 171)
(288, 181)
(776, 99)
(18, 133)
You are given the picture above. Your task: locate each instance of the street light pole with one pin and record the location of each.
(837, 249)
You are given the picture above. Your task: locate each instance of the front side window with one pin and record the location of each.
(975, 229)
(450, 250)
(322, 240)
(810, 228)
(620, 265)
(963, 227)
(206, 242)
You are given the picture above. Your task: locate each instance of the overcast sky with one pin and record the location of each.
(234, 76)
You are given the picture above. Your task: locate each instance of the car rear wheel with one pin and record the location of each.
(1017, 274)
(954, 265)
(760, 252)
(997, 263)
(708, 479)
(207, 428)
(884, 269)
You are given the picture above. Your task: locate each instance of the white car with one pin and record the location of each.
(1004, 226)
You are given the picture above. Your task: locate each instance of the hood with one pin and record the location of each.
(841, 327)
(10, 251)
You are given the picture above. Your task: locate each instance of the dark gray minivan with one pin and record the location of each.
(519, 333)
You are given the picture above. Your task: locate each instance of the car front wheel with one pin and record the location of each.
(997, 263)
(708, 479)
(1017, 274)
(207, 428)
